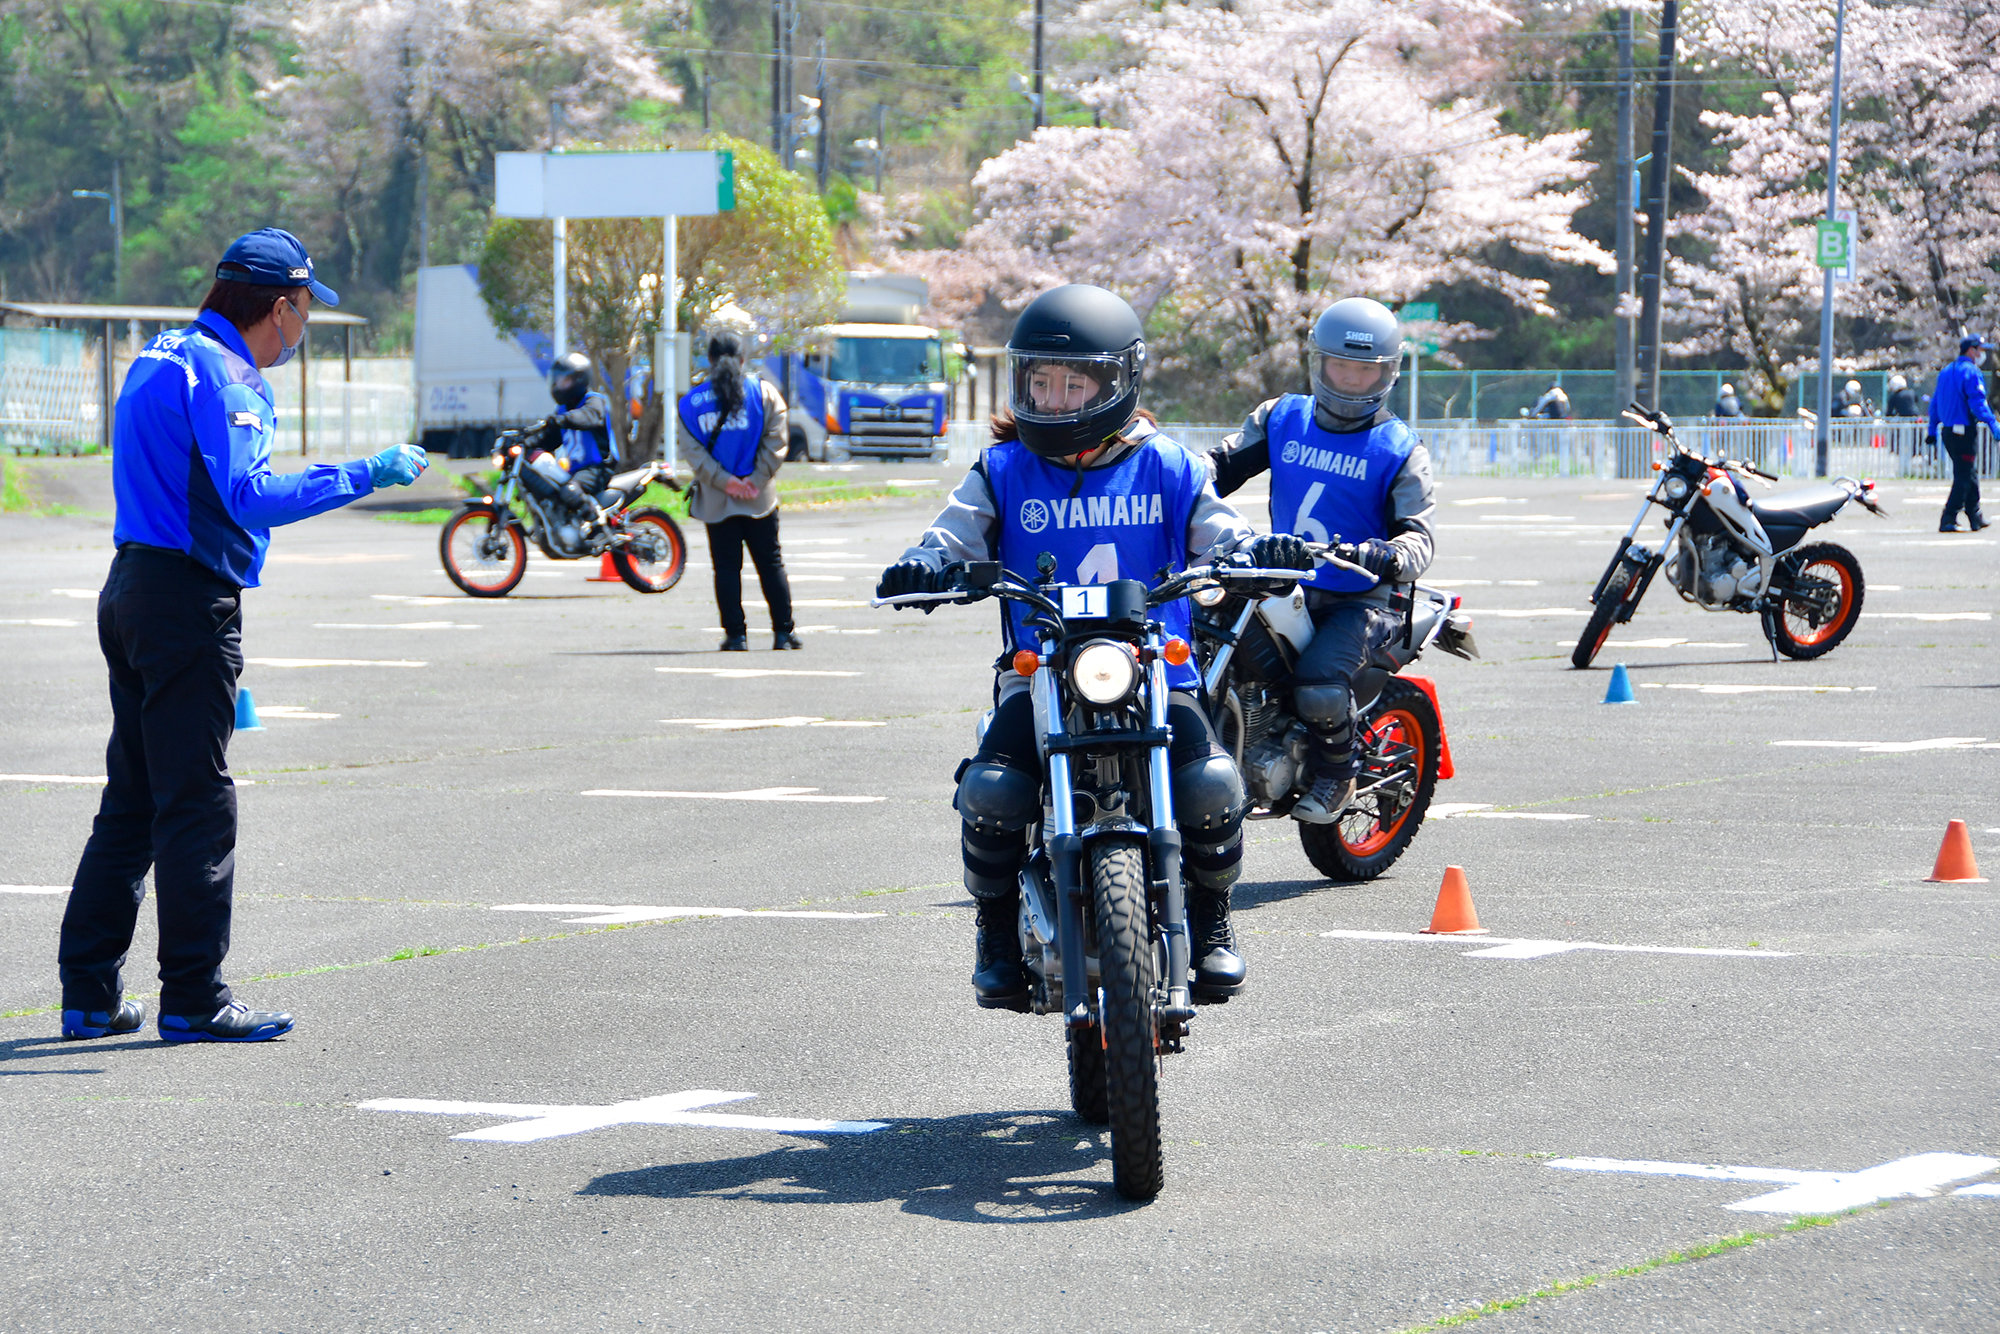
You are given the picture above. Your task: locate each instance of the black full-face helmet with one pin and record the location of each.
(1357, 353)
(1074, 361)
(569, 379)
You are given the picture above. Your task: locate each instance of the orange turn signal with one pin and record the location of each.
(1176, 651)
(1659, 466)
(1027, 661)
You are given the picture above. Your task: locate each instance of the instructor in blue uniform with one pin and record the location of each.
(196, 499)
(1958, 406)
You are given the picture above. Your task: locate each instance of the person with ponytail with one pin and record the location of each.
(732, 432)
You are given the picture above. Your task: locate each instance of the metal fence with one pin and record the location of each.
(48, 409)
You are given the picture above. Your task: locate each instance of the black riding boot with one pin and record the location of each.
(998, 979)
(1219, 971)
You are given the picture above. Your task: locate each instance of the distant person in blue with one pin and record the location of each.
(196, 499)
(732, 433)
(579, 435)
(1077, 470)
(1958, 406)
(1727, 404)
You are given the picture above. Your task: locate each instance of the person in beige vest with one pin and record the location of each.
(732, 433)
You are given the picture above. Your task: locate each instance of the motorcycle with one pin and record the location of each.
(1724, 551)
(1248, 645)
(485, 545)
(1103, 916)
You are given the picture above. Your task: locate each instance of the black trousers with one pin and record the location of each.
(1347, 633)
(726, 541)
(1961, 443)
(171, 632)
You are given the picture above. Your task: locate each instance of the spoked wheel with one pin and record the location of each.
(1400, 743)
(1086, 1075)
(1822, 602)
(1602, 617)
(1130, 1052)
(483, 554)
(657, 556)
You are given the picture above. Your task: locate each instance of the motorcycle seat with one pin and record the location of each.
(1805, 507)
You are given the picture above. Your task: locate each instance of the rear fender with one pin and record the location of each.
(1429, 687)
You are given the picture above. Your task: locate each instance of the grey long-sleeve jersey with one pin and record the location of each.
(1412, 498)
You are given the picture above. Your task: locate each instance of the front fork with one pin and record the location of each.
(1164, 842)
(1065, 860)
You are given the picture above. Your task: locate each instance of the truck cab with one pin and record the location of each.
(870, 389)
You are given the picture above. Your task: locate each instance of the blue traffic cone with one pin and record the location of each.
(1620, 690)
(246, 712)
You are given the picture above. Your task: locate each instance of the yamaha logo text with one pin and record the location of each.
(1093, 512)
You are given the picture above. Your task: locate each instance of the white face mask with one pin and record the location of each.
(288, 350)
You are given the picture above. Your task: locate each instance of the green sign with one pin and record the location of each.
(1421, 312)
(1834, 245)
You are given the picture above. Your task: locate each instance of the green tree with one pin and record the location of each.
(771, 256)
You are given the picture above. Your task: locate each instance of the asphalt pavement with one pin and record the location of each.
(631, 977)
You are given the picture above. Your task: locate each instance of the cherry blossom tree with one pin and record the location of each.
(1261, 158)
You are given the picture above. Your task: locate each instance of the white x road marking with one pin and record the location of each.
(602, 914)
(535, 1121)
(1508, 947)
(1818, 1192)
(804, 794)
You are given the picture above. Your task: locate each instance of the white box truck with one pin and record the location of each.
(472, 380)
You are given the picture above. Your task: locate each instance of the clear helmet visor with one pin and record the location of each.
(1355, 381)
(1064, 389)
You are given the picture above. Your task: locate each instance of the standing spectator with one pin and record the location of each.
(196, 500)
(1958, 406)
(1902, 399)
(733, 435)
(1726, 402)
(1553, 404)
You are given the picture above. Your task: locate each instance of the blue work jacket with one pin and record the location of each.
(1960, 399)
(191, 454)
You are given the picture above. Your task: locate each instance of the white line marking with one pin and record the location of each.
(423, 601)
(751, 724)
(1813, 1192)
(1502, 947)
(744, 673)
(348, 558)
(1656, 643)
(1753, 690)
(804, 794)
(1928, 615)
(289, 711)
(1885, 588)
(1989, 1189)
(538, 1121)
(34, 889)
(1945, 542)
(394, 625)
(1527, 518)
(1483, 810)
(332, 662)
(816, 578)
(89, 593)
(812, 561)
(52, 778)
(912, 481)
(1495, 500)
(1521, 613)
(53, 622)
(1893, 747)
(828, 602)
(599, 914)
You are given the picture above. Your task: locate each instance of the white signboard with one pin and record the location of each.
(613, 185)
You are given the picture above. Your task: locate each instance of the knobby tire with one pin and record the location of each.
(651, 576)
(1400, 730)
(502, 578)
(1792, 624)
(1602, 617)
(1131, 1060)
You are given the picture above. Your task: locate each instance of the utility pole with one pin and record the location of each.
(1823, 428)
(778, 79)
(1622, 324)
(1039, 120)
(115, 197)
(424, 211)
(1657, 178)
(825, 114)
(881, 141)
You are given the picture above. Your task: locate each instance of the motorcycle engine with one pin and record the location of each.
(1272, 766)
(1725, 575)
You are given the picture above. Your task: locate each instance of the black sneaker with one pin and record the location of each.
(736, 644)
(102, 1023)
(786, 640)
(231, 1023)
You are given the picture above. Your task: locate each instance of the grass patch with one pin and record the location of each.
(414, 952)
(416, 516)
(19, 495)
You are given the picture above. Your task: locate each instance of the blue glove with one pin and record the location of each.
(398, 465)
(1377, 557)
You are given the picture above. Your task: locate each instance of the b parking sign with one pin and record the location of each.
(1835, 244)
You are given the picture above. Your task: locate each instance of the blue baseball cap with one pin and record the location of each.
(272, 257)
(1970, 341)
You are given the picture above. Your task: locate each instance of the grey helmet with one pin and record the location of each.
(1364, 333)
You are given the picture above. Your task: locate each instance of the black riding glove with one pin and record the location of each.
(1280, 551)
(1377, 557)
(912, 576)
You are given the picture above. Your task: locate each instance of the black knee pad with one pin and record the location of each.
(1324, 706)
(994, 798)
(1208, 798)
(1213, 866)
(992, 861)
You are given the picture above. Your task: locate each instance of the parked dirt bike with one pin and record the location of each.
(485, 545)
(1726, 552)
(1248, 645)
(1103, 916)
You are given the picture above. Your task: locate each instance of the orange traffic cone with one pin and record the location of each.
(1453, 915)
(607, 573)
(1955, 865)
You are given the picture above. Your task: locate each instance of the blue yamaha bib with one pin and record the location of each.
(1127, 521)
(733, 443)
(1325, 485)
(587, 449)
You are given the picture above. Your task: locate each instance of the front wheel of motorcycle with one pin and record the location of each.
(1400, 741)
(1087, 1095)
(657, 555)
(1602, 617)
(1130, 1052)
(483, 554)
(1823, 591)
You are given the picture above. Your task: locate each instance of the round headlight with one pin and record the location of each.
(1676, 487)
(1104, 672)
(1209, 595)
(499, 462)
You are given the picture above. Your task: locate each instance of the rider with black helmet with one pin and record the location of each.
(1342, 466)
(1078, 471)
(579, 434)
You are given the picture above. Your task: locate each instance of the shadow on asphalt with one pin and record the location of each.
(634, 652)
(1256, 895)
(28, 1049)
(993, 1167)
